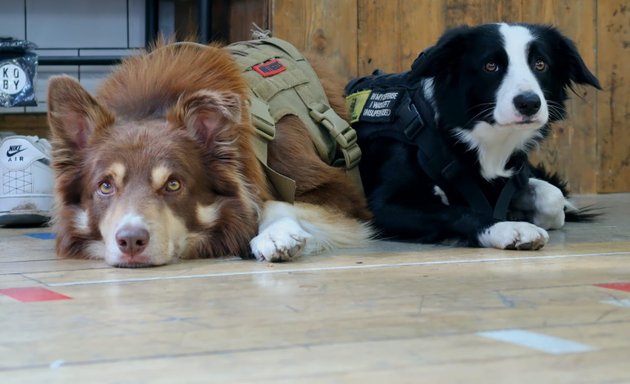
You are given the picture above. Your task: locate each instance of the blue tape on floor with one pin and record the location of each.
(41, 235)
(618, 302)
(544, 343)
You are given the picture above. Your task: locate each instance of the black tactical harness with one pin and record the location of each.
(393, 106)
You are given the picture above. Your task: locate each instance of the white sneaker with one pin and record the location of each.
(26, 180)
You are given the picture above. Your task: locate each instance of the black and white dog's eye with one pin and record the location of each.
(540, 65)
(491, 67)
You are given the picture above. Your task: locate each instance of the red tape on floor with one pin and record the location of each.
(32, 294)
(617, 286)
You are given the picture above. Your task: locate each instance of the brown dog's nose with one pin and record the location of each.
(132, 240)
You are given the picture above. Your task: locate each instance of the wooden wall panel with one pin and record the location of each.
(613, 104)
(242, 14)
(378, 36)
(571, 149)
(328, 27)
(429, 19)
(393, 32)
(421, 23)
(25, 124)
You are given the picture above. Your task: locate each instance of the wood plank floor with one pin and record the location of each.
(388, 313)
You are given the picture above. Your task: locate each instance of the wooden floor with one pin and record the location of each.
(389, 313)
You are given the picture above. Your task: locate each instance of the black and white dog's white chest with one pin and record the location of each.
(461, 121)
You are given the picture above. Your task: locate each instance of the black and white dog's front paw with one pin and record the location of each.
(540, 203)
(513, 235)
(549, 204)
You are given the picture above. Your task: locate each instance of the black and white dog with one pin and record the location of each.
(445, 144)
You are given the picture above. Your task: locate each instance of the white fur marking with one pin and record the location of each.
(494, 145)
(549, 204)
(569, 206)
(81, 221)
(117, 171)
(437, 191)
(428, 92)
(96, 250)
(518, 79)
(175, 235)
(514, 235)
(208, 214)
(159, 175)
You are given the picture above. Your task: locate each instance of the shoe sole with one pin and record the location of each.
(25, 210)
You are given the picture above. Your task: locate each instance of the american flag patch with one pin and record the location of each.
(269, 67)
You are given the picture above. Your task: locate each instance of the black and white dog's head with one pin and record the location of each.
(496, 87)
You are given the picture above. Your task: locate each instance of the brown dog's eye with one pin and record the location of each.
(540, 65)
(491, 67)
(106, 188)
(172, 185)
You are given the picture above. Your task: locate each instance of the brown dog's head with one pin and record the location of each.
(144, 191)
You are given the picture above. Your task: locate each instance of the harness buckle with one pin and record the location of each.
(340, 130)
(410, 119)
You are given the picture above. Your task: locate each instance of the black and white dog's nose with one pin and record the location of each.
(527, 103)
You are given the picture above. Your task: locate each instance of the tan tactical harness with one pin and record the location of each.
(288, 85)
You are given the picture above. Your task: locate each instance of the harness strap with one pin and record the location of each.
(442, 166)
(517, 181)
(266, 130)
(503, 202)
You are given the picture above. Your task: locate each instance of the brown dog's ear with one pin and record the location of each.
(73, 114)
(208, 115)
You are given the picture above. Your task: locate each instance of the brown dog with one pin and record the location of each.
(160, 165)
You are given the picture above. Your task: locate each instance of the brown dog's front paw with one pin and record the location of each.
(284, 240)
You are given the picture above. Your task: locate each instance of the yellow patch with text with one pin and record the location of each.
(355, 104)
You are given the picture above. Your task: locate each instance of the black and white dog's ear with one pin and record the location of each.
(577, 69)
(438, 57)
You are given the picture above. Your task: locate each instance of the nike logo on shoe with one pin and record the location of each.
(14, 150)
